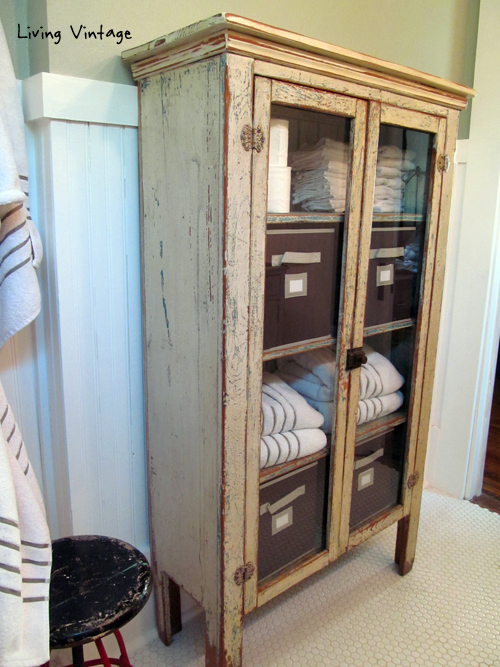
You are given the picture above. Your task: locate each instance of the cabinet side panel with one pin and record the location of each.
(182, 181)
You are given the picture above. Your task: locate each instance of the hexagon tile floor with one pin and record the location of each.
(359, 612)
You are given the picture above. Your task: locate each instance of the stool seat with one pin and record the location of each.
(97, 585)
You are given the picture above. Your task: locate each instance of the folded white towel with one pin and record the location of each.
(25, 553)
(388, 172)
(368, 409)
(284, 409)
(387, 206)
(20, 246)
(395, 183)
(395, 152)
(291, 445)
(397, 163)
(312, 374)
(373, 408)
(384, 192)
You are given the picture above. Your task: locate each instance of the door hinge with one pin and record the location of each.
(244, 573)
(355, 358)
(252, 138)
(443, 163)
(412, 480)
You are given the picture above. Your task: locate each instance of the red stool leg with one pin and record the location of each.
(102, 653)
(124, 661)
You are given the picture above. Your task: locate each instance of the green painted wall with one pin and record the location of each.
(13, 12)
(436, 36)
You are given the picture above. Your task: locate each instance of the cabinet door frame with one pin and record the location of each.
(266, 92)
(435, 125)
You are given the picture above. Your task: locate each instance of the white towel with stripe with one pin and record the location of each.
(291, 445)
(368, 409)
(25, 553)
(312, 374)
(20, 245)
(284, 409)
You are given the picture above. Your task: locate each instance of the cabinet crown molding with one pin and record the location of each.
(228, 33)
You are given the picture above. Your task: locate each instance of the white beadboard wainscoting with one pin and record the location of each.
(75, 377)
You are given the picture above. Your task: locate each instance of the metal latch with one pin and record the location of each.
(252, 138)
(412, 480)
(244, 573)
(443, 163)
(355, 358)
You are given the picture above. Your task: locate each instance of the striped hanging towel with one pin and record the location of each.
(20, 246)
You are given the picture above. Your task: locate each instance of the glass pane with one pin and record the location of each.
(399, 228)
(308, 162)
(308, 167)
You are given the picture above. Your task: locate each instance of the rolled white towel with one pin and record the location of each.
(312, 374)
(373, 408)
(284, 409)
(291, 445)
(379, 377)
(368, 409)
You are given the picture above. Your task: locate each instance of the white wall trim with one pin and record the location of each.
(471, 316)
(60, 97)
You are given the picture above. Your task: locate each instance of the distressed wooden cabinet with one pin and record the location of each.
(208, 96)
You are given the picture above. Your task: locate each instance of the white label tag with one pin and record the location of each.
(282, 520)
(296, 286)
(365, 479)
(385, 275)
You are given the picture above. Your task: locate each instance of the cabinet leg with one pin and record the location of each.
(405, 545)
(168, 608)
(221, 649)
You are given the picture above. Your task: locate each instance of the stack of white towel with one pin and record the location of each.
(319, 180)
(291, 428)
(311, 374)
(393, 166)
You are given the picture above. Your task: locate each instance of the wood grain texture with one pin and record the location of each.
(314, 100)
(348, 381)
(375, 526)
(182, 126)
(236, 266)
(292, 577)
(423, 122)
(407, 530)
(262, 110)
(417, 420)
(337, 84)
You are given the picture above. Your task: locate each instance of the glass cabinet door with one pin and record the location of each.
(395, 275)
(304, 236)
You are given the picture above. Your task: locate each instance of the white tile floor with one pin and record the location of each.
(360, 612)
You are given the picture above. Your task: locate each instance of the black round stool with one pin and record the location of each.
(97, 585)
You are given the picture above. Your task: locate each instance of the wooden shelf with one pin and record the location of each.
(389, 326)
(266, 474)
(380, 426)
(295, 348)
(304, 217)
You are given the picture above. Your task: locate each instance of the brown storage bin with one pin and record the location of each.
(376, 480)
(389, 294)
(293, 511)
(299, 297)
